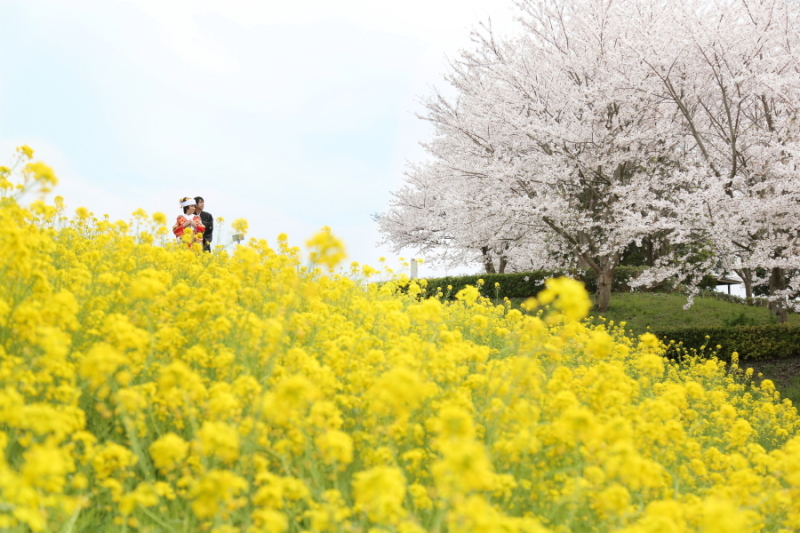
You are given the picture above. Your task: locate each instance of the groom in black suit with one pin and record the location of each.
(208, 221)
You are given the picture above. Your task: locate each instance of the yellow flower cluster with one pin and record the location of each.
(147, 387)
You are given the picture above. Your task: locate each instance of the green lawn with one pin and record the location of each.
(640, 310)
(659, 310)
(785, 373)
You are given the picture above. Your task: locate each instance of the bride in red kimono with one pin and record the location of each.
(189, 220)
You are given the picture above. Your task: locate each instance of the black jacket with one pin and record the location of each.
(208, 221)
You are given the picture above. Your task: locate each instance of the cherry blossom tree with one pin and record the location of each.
(553, 127)
(438, 216)
(606, 124)
(453, 212)
(731, 69)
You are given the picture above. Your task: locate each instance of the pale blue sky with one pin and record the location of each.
(292, 116)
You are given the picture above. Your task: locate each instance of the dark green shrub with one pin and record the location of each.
(527, 284)
(517, 285)
(739, 320)
(750, 342)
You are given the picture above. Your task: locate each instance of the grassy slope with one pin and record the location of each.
(640, 310)
(785, 373)
(657, 310)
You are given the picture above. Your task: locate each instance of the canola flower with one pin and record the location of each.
(145, 386)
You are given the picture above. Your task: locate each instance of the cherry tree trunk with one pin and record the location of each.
(747, 277)
(777, 282)
(488, 263)
(605, 280)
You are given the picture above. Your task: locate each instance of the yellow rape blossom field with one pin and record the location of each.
(145, 386)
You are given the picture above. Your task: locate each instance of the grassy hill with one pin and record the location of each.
(657, 310)
(660, 310)
(640, 310)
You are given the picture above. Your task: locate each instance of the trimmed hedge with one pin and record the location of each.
(750, 342)
(511, 285)
(527, 284)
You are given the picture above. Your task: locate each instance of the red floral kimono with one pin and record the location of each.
(199, 229)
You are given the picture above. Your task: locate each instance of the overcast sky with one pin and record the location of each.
(293, 115)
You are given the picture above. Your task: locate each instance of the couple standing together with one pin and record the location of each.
(198, 221)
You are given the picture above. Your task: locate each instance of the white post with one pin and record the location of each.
(413, 269)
